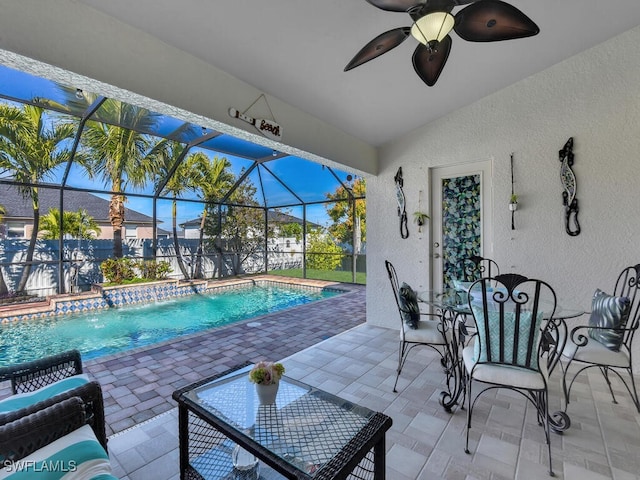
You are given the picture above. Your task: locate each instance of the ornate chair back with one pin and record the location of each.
(395, 286)
(476, 267)
(628, 285)
(515, 324)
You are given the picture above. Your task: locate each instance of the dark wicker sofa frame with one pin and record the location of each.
(22, 436)
(30, 376)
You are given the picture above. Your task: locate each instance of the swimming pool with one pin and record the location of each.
(114, 330)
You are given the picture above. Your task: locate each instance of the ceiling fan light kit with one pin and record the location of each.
(481, 21)
(432, 28)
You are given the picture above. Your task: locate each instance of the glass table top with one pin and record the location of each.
(458, 301)
(306, 427)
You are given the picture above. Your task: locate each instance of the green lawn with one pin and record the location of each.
(333, 275)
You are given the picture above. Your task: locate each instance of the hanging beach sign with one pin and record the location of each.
(269, 128)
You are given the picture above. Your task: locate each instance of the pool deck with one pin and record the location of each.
(424, 442)
(138, 384)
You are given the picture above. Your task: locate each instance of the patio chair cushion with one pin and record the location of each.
(21, 400)
(608, 311)
(596, 352)
(409, 305)
(509, 336)
(426, 331)
(77, 455)
(505, 375)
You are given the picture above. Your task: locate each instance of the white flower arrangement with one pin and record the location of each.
(266, 373)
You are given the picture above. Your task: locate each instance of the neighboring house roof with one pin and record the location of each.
(195, 222)
(17, 206)
(272, 216)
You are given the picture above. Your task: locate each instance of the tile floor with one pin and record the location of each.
(425, 442)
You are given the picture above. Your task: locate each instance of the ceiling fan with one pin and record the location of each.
(482, 21)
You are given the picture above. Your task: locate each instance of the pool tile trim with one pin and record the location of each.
(100, 297)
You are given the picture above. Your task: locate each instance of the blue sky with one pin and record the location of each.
(308, 180)
(316, 190)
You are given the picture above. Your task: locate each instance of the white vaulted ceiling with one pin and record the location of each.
(296, 50)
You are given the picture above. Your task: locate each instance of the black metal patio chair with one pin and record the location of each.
(517, 344)
(416, 328)
(605, 342)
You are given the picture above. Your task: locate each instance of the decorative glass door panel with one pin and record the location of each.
(461, 221)
(461, 217)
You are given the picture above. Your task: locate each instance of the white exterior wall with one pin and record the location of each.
(593, 97)
(287, 244)
(192, 232)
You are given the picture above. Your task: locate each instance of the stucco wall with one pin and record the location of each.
(593, 97)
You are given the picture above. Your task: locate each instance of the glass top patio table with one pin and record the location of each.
(454, 305)
(307, 433)
(456, 301)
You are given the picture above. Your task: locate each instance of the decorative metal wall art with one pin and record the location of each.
(569, 200)
(513, 200)
(402, 210)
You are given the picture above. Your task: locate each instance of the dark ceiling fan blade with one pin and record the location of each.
(429, 64)
(379, 45)
(492, 21)
(396, 5)
(431, 6)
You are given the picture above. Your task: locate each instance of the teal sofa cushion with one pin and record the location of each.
(76, 456)
(21, 400)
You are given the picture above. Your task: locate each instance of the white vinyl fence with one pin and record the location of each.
(83, 258)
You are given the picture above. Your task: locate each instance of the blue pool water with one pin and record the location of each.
(104, 332)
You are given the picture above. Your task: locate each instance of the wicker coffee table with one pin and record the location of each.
(307, 434)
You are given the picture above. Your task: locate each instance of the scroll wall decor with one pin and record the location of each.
(569, 200)
(513, 200)
(402, 209)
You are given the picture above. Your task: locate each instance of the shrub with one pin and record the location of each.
(323, 254)
(123, 270)
(118, 270)
(152, 270)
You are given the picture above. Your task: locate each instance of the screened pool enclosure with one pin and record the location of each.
(172, 198)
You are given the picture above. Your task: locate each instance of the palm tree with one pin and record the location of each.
(121, 156)
(76, 224)
(212, 178)
(185, 178)
(3, 285)
(30, 148)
